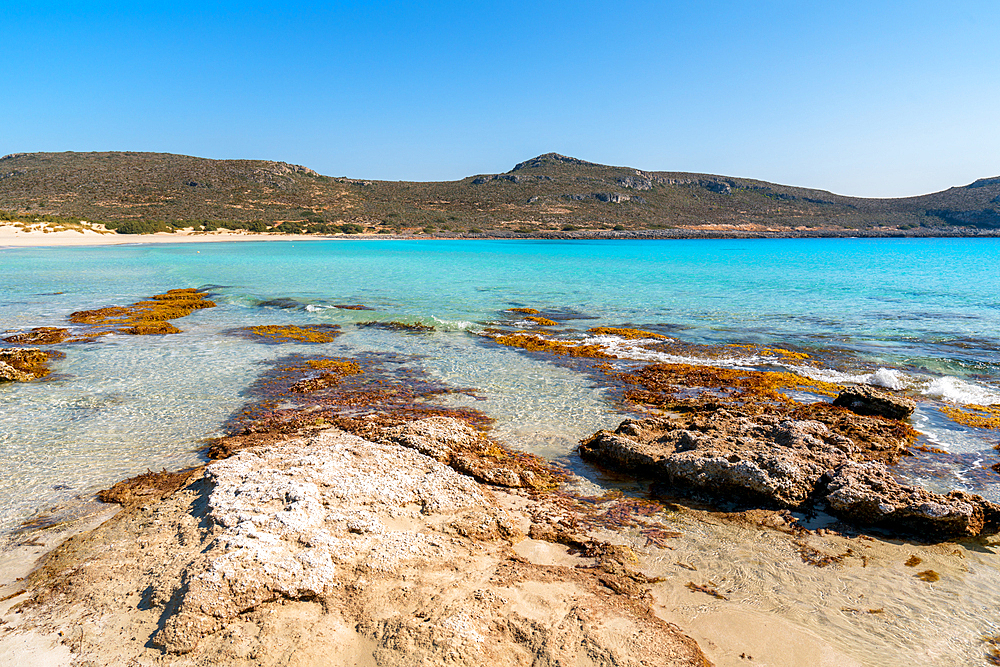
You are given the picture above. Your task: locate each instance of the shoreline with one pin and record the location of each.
(478, 557)
(721, 579)
(13, 237)
(539, 570)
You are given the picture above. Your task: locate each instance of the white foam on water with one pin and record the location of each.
(949, 389)
(889, 378)
(453, 325)
(955, 390)
(635, 349)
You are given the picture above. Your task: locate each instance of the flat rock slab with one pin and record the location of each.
(867, 494)
(336, 550)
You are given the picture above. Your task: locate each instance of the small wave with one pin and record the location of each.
(830, 375)
(888, 378)
(455, 325)
(954, 390)
(635, 349)
(313, 308)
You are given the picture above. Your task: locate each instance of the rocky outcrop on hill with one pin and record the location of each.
(777, 461)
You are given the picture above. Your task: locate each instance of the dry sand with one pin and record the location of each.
(11, 235)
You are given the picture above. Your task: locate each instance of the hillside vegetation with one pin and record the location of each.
(142, 192)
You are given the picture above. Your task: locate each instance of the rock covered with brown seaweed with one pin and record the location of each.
(778, 461)
(21, 364)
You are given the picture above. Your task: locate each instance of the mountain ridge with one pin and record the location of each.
(548, 193)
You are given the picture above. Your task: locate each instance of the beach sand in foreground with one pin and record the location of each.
(378, 555)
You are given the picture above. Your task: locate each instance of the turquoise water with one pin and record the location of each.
(919, 315)
(916, 314)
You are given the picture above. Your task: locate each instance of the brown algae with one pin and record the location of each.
(668, 384)
(25, 364)
(149, 486)
(976, 416)
(628, 334)
(145, 317)
(542, 321)
(771, 351)
(290, 333)
(40, 336)
(707, 590)
(538, 344)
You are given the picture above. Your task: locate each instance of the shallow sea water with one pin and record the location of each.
(916, 314)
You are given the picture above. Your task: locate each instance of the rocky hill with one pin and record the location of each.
(549, 194)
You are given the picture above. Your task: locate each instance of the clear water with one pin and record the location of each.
(918, 314)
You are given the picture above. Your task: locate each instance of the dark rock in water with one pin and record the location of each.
(867, 494)
(778, 461)
(866, 400)
(767, 458)
(397, 326)
(348, 306)
(21, 364)
(284, 303)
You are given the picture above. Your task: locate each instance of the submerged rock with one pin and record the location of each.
(866, 400)
(40, 336)
(21, 364)
(285, 303)
(782, 462)
(867, 494)
(10, 374)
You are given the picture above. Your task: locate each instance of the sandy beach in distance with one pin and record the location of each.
(13, 236)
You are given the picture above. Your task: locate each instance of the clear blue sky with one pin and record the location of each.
(872, 98)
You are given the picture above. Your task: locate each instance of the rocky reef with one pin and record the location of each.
(39, 336)
(21, 364)
(777, 460)
(151, 316)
